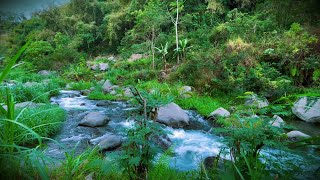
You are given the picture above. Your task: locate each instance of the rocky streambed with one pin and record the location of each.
(191, 145)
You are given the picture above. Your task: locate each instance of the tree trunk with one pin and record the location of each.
(177, 37)
(152, 47)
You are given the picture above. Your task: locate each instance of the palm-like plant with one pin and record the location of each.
(183, 48)
(163, 51)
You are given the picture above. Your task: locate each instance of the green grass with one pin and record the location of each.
(81, 85)
(37, 92)
(45, 120)
(204, 105)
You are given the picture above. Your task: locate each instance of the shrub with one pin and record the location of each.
(38, 53)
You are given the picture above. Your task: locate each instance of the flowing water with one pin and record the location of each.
(190, 145)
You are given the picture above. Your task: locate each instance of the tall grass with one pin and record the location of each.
(22, 126)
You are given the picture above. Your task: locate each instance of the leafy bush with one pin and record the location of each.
(38, 53)
(246, 142)
(78, 72)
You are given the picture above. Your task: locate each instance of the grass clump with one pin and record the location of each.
(45, 120)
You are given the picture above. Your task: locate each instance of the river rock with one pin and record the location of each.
(307, 109)
(94, 67)
(30, 84)
(297, 135)
(28, 104)
(107, 86)
(108, 142)
(127, 93)
(113, 92)
(85, 92)
(256, 101)
(185, 92)
(277, 121)
(163, 141)
(135, 57)
(103, 66)
(94, 119)
(45, 73)
(172, 115)
(111, 58)
(103, 103)
(213, 162)
(220, 112)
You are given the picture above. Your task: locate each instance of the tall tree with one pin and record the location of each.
(149, 22)
(177, 7)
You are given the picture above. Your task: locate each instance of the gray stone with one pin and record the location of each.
(85, 92)
(185, 89)
(94, 67)
(119, 95)
(45, 73)
(297, 135)
(90, 176)
(112, 58)
(103, 103)
(46, 81)
(26, 104)
(277, 121)
(30, 84)
(108, 142)
(172, 115)
(185, 92)
(103, 66)
(220, 112)
(307, 109)
(256, 101)
(128, 93)
(113, 92)
(163, 141)
(94, 119)
(135, 57)
(107, 86)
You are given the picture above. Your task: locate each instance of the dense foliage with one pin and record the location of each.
(220, 48)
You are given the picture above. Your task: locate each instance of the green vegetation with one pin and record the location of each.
(220, 49)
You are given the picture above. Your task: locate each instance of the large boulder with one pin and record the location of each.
(26, 104)
(135, 57)
(110, 142)
(103, 66)
(172, 115)
(45, 73)
(220, 112)
(107, 86)
(297, 135)
(94, 119)
(185, 92)
(254, 100)
(277, 121)
(307, 109)
(163, 141)
(107, 141)
(127, 93)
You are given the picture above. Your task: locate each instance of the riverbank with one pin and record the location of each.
(188, 143)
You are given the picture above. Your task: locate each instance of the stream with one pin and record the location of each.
(190, 145)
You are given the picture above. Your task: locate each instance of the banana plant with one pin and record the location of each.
(184, 48)
(163, 51)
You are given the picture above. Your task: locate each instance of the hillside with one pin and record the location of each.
(234, 65)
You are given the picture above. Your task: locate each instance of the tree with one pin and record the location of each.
(178, 6)
(149, 22)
